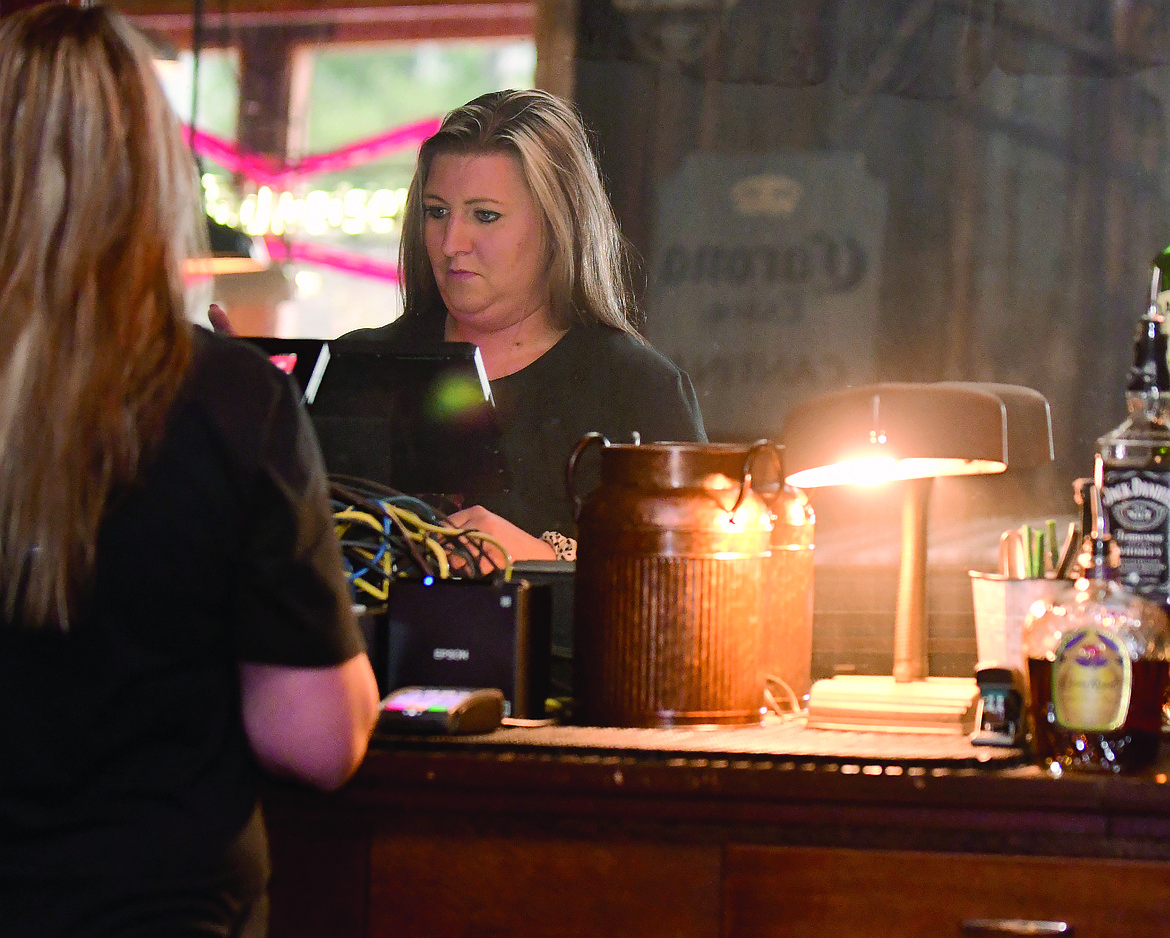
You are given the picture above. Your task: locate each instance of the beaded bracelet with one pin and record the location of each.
(565, 547)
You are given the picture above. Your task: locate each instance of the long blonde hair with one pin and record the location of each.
(589, 266)
(98, 211)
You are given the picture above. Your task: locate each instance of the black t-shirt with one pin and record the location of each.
(595, 379)
(125, 761)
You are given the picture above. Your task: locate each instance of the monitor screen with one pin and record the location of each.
(418, 419)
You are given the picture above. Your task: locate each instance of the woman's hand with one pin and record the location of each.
(519, 544)
(219, 320)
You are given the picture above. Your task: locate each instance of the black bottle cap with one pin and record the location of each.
(1150, 371)
(994, 674)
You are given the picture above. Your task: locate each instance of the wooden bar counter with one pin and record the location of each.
(757, 831)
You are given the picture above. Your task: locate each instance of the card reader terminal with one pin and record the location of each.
(442, 710)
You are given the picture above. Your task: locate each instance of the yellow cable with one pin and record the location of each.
(440, 556)
(416, 529)
(449, 531)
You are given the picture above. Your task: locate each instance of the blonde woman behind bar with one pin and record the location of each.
(509, 242)
(173, 611)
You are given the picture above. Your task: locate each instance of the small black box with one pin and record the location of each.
(467, 633)
(558, 577)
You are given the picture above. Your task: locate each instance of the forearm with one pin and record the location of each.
(312, 724)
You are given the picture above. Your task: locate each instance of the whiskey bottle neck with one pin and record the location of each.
(1148, 405)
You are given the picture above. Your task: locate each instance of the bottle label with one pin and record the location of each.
(1137, 503)
(1092, 680)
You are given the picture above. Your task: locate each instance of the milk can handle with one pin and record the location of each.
(760, 446)
(571, 467)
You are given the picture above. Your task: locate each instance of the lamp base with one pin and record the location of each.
(879, 704)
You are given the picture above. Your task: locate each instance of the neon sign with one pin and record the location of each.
(277, 213)
(318, 212)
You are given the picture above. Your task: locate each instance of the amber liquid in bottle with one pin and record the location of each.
(1131, 747)
(1097, 665)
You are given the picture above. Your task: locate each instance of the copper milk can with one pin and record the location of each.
(788, 596)
(668, 595)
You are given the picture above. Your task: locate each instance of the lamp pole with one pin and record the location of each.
(910, 630)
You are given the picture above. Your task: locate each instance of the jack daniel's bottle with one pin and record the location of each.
(1134, 462)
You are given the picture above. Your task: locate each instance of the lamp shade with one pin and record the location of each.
(910, 433)
(233, 251)
(881, 432)
(1028, 418)
(226, 241)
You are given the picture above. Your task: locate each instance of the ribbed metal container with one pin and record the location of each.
(668, 595)
(788, 591)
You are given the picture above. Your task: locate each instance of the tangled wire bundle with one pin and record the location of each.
(386, 535)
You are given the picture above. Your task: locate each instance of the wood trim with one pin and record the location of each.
(339, 20)
(451, 840)
(329, 9)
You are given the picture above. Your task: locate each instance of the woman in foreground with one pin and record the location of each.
(174, 614)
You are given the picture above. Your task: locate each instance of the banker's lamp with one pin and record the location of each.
(233, 251)
(909, 433)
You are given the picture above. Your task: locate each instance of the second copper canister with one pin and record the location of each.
(788, 594)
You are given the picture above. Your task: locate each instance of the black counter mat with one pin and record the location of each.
(774, 741)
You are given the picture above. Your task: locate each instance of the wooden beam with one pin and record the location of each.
(556, 46)
(346, 20)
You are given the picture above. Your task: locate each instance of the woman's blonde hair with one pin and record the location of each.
(589, 259)
(99, 208)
